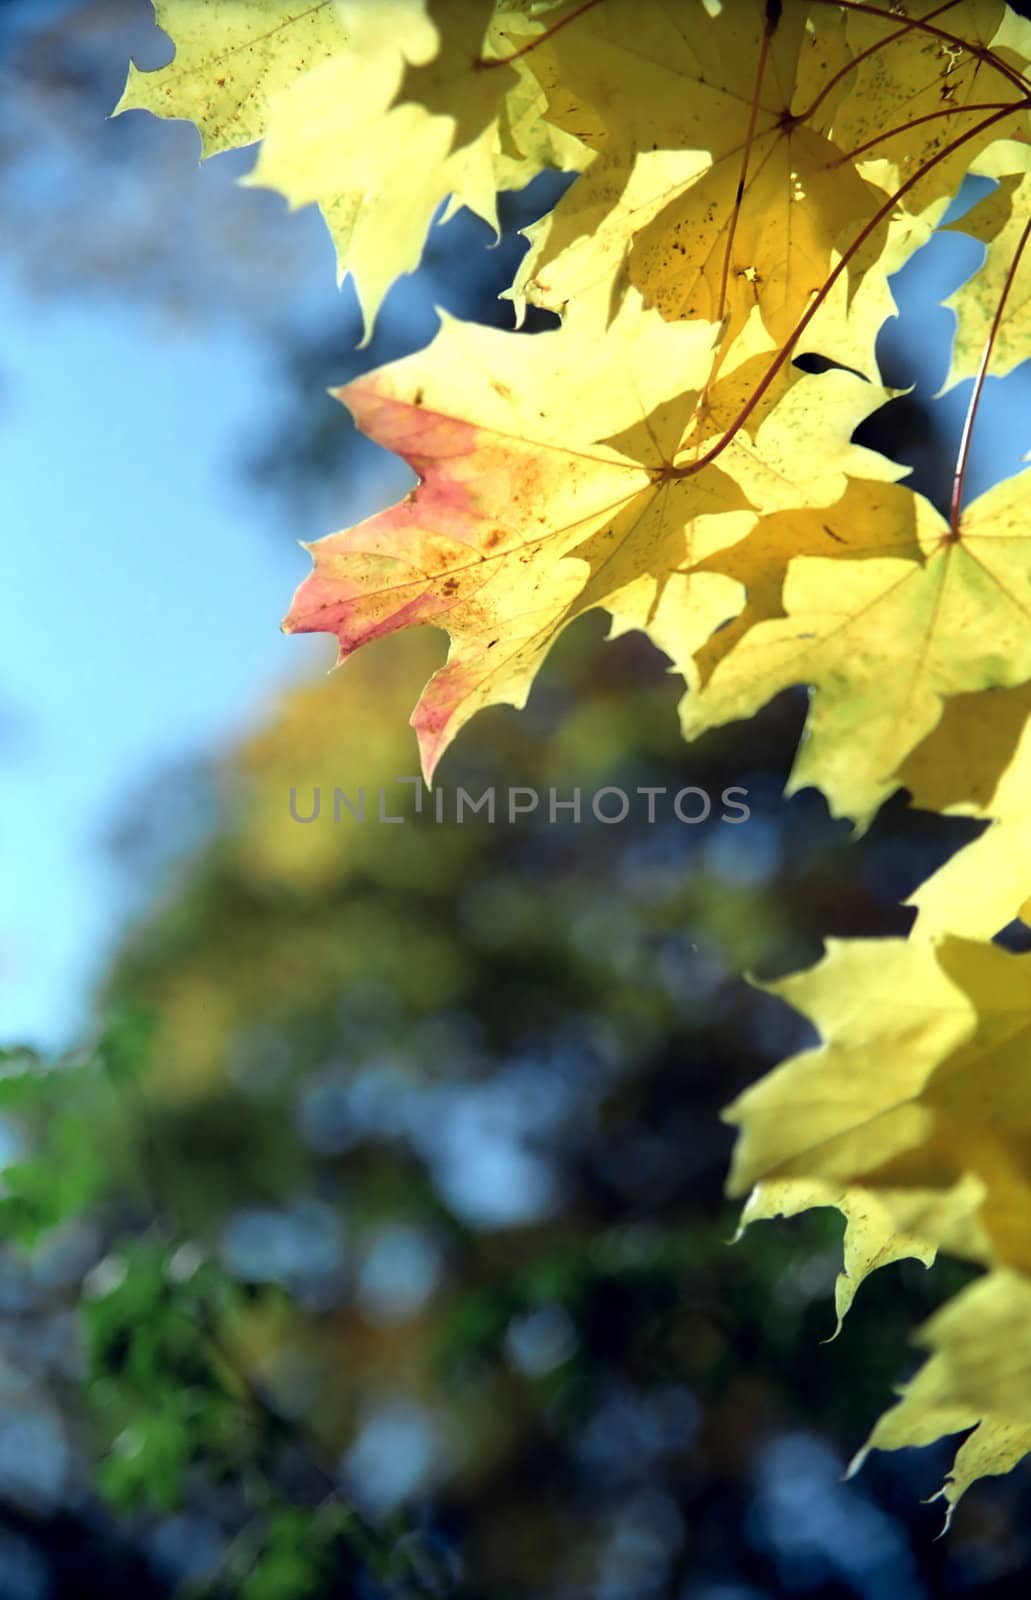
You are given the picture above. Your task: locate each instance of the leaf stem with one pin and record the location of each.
(963, 453)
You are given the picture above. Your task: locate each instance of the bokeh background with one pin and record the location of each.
(380, 1248)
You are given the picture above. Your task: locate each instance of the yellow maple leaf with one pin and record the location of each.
(978, 1376)
(984, 887)
(921, 1082)
(872, 518)
(913, 1118)
(881, 1225)
(561, 473)
(1001, 222)
(664, 185)
(882, 643)
(977, 763)
(525, 515)
(925, 88)
(380, 149)
(888, 1015)
(229, 61)
(377, 113)
(765, 145)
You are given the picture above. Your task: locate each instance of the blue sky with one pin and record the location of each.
(142, 624)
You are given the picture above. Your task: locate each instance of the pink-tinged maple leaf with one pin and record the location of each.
(524, 519)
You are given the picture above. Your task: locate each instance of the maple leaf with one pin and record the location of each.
(978, 1376)
(921, 1082)
(930, 89)
(913, 1118)
(230, 62)
(525, 515)
(881, 1225)
(378, 113)
(872, 518)
(977, 763)
(562, 473)
(882, 643)
(841, 128)
(1000, 220)
(670, 162)
(381, 150)
(836, 1112)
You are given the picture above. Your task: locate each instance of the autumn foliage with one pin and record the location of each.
(749, 176)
